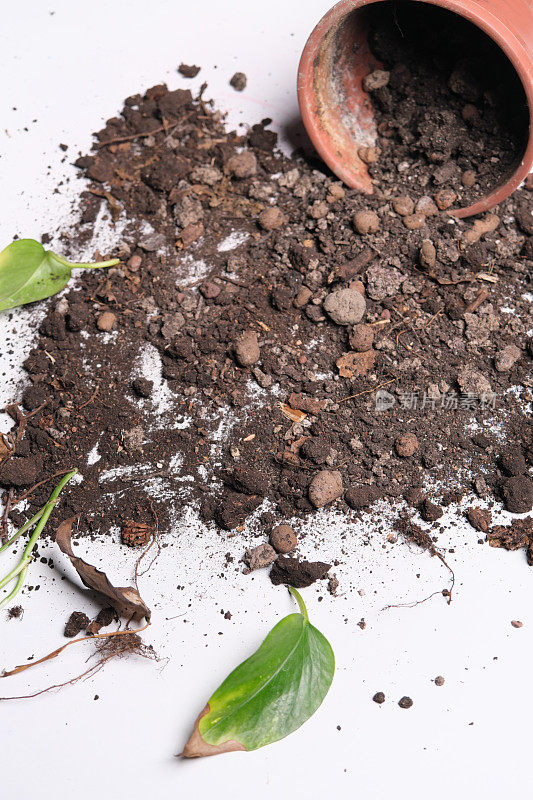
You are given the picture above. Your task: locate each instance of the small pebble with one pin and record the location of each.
(516, 623)
(468, 178)
(414, 221)
(325, 487)
(445, 198)
(361, 338)
(376, 80)
(272, 218)
(403, 205)
(366, 222)
(283, 539)
(345, 306)
(246, 349)
(439, 680)
(106, 321)
(406, 445)
(242, 165)
(239, 81)
(428, 254)
(379, 698)
(369, 155)
(405, 702)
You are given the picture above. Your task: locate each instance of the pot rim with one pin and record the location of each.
(484, 18)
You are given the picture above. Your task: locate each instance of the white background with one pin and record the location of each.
(66, 67)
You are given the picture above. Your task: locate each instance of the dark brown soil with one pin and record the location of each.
(224, 380)
(453, 113)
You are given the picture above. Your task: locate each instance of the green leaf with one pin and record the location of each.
(28, 272)
(269, 695)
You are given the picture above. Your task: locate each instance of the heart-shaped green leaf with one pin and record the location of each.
(28, 272)
(270, 694)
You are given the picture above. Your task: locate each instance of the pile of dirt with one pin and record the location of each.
(274, 342)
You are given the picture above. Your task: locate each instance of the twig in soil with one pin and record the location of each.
(367, 391)
(21, 419)
(476, 302)
(91, 398)
(131, 137)
(55, 653)
(5, 516)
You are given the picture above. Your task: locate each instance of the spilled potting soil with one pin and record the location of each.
(274, 343)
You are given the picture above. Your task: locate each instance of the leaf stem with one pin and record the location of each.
(24, 528)
(296, 594)
(86, 265)
(42, 517)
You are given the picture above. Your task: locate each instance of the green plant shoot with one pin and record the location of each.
(28, 273)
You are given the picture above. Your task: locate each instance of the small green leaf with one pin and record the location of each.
(269, 695)
(28, 272)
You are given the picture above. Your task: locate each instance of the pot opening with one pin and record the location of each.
(453, 102)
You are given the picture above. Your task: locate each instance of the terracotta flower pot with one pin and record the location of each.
(338, 114)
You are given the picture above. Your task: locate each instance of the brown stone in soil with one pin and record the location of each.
(272, 218)
(370, 155)
(325, 487)
(406, 445)
(242, 165)
(283, 538)
(403, 205)
(361, 337)
(259, 557)
(238, 81)
(246, 349)
(188, 71)
(405, 702)
(366, 222)
(345, 306)
(479, 518)
(299, 574)
(106, 321)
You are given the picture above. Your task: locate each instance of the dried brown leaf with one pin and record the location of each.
(127, 600)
